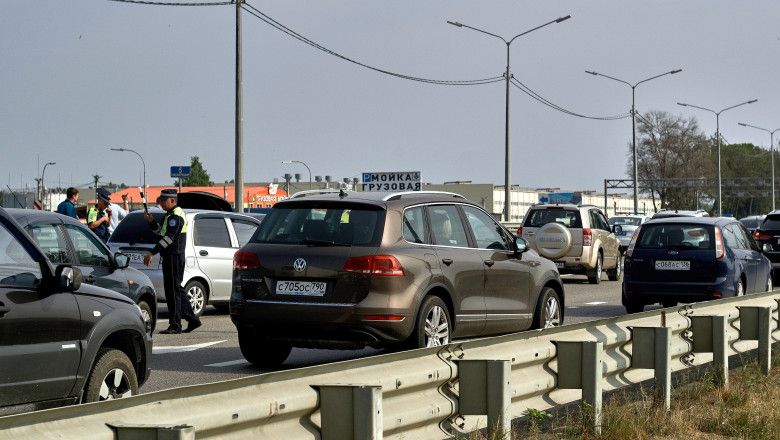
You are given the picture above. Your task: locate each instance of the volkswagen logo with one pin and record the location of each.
(299, 265)
(673, 252)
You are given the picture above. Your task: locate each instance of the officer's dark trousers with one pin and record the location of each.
(178, 303)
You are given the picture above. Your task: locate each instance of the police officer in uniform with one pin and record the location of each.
(99, 216)
(173, 234)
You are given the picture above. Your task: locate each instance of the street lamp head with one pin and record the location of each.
(675, 71)
(117, 149)
(563, 19)
(592, 73)
(752, 101)
(742, 124)
(287, 162)
(682, 104)
(455, 23)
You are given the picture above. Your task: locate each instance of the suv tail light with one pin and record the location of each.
(719, 250)
(375, 265)
(761, 235)
(520, 231)
(630, 249)
(587, 237)
(245, 261)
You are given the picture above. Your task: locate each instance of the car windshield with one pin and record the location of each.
(628, 221)
(771, 223)
(677, 236)
(566, 217)
(323, 225)
(134, 229)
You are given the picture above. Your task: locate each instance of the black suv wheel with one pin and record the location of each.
(261, 352)
(112, 377)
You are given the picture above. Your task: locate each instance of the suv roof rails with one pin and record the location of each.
(398, 195)
(314, 192)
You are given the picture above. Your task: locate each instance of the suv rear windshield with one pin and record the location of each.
(323, 225)
(771, 223)
(540, 217)
(134, 229)
(677, 236)
(630, 221)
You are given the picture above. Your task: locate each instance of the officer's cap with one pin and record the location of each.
(167, 194)
(104, 195)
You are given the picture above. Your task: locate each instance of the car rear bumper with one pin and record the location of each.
(321, 325)
(651, 292)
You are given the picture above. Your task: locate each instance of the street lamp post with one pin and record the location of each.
(142, 162)
(772, 152)
(717, 136)
(507, 76)
(302, 163)
(42, 189)
(633, 123)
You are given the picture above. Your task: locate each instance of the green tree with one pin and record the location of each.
(747, 182)
(198, 175)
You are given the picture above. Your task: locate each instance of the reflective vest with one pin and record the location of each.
(179, 213)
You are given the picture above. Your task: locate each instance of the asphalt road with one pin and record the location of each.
(211, 353)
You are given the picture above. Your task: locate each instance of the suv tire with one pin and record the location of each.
(262, 352)
(614, 274)
(594, 276)
(198, 296)
(148, 315)
(548, 310)
(112, 377)
(428, 330)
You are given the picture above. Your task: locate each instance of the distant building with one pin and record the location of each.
(259, 196)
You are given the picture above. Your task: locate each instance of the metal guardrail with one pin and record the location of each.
(436, 392)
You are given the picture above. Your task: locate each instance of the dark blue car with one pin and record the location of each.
(688, 259)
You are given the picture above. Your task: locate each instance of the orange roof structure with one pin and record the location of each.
(254, 196)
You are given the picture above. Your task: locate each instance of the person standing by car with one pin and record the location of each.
(99, 216)
(68, 206)
(173, 239)
(116, 214)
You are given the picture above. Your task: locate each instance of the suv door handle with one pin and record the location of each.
(203, 253)
(446, 261)
(489, 263)
(90, 279)
(531, 233)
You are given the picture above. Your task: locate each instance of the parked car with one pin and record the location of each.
(666, 213)
(687, 259)
(412, 269)
(212, 239)
(768, 237)
(63, 341)
(578, 239)
(628, 224)
(65, 240)
(753, 222)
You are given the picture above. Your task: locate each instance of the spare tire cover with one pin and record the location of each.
(553, 240)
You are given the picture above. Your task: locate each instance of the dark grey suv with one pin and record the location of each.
(415, 269)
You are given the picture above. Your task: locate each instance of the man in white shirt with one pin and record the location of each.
(116, 214)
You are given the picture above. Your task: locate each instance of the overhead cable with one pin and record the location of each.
(153, 3)
(286, 30)
(536, 96)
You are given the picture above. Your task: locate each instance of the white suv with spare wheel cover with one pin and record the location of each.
(578, 238)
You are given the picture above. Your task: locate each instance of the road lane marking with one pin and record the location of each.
(595, 303)
(183, 348)
(228, 363)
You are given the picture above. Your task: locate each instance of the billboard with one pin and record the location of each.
(392, 181)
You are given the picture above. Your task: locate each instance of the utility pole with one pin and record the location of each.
(97, 179)
(239, 193)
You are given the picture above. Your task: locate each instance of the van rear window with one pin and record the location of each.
(134, 229)
(677, 236)
(540, 217)
(322, 225)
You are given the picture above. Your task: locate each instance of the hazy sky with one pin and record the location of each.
(78, 77)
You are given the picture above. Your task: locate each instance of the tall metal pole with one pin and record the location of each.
(633, 149)
(720, 194)
(772, 160)
(239, 178)
(507, 179)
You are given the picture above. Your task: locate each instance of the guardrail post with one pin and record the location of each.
(350, 412)
(580, 367)
(485, 389)
(709, 336)
(145, 432)
(651, 349)
(754, 325)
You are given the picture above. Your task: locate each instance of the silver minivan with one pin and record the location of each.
(213, 238)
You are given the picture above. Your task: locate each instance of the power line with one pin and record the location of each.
(286, 30)
(145, 2)
(536, 96)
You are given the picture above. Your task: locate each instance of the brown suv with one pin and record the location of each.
(356, 269)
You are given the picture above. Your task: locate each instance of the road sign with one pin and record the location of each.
(180, 171)
(392, 181)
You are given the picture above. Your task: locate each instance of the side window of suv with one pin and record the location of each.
(211, 232)
(17, 267)
(446, 226)
(414, 225)
(597, 220)
(88, 249)
(486, 231)
(50, 240)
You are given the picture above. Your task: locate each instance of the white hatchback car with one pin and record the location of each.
(212, 239)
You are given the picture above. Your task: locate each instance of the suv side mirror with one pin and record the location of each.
(68, 278)
(520, 245)
(617, 229)
(121, 260)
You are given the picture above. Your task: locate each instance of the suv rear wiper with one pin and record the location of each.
(311, 242)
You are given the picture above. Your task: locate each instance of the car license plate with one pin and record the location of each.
(135, 258)
(301, 288)
(560, 264)
(672, 265)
